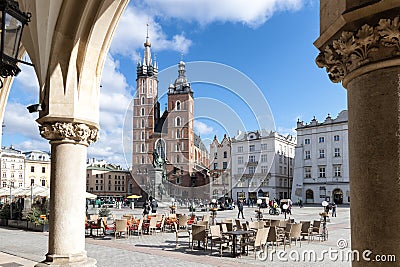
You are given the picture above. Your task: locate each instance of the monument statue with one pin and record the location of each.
(158, 161)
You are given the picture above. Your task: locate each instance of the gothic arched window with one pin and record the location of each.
(160, 148)
(178, 105)
(178, 121)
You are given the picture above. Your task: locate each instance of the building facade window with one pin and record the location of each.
(240, 160)
(264, 169)
(307, 141)
(264, 146)
(224, 165)
(252, 169)
(43, 182)
(264, 158)
(307, 154)
(240, 170)
(307, 172)
(32, 168)
(240, 149)
(322, 153)
(322, 192)
(225, 154)
(321, 172)
(336, 138)
(178, 105)
(337, 170)
(252, 158)
(215, 166)
(321, 139)
(43, 169)
(337, 152)
(252, 148)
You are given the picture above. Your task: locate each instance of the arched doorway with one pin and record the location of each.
(337, 196)
(309, 196)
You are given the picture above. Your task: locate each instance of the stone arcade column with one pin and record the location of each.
(68, 42)
(69, 142)
(360, 47)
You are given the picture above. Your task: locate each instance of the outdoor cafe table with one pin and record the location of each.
(234, 235)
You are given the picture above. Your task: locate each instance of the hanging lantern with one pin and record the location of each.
(12, 21)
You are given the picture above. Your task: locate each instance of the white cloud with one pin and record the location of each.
(202, 128)
(19, 121)
(131, 33)
(26, 80)
(27, 145)
(252, 13)
(114, 94)
(21, 125)
(287, 131)
(114, 103)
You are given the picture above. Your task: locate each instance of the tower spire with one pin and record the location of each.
(147, 45)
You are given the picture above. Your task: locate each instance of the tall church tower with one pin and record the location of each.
(180, 128)
(146, 114)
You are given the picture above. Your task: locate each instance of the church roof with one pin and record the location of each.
(162, 124)
(199, 143)
(181, 84)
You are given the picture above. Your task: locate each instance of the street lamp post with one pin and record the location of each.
(288, 171)
(259, 214)
(324, 214)
(285, 207)
(213, 209)
(10, 203)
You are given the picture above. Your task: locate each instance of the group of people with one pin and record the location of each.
(332, 206)
(150, 206)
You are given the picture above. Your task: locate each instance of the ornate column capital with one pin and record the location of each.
(366, 49)
(69, 131)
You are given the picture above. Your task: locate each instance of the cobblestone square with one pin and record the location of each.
(27, 248)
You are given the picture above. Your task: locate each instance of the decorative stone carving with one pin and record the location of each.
(78, 132)
(353, 50)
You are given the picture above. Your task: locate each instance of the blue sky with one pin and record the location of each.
(270, 42)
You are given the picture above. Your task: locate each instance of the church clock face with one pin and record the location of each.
(160, 147)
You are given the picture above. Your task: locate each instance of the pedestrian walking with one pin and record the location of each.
(240, 208)
(333, 209)
(154, 206)
(146, 208)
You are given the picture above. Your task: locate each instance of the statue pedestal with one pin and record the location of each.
(156, 180)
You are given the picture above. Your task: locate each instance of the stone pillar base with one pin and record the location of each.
(67, 260)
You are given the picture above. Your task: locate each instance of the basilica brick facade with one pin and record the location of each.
(170, 134)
